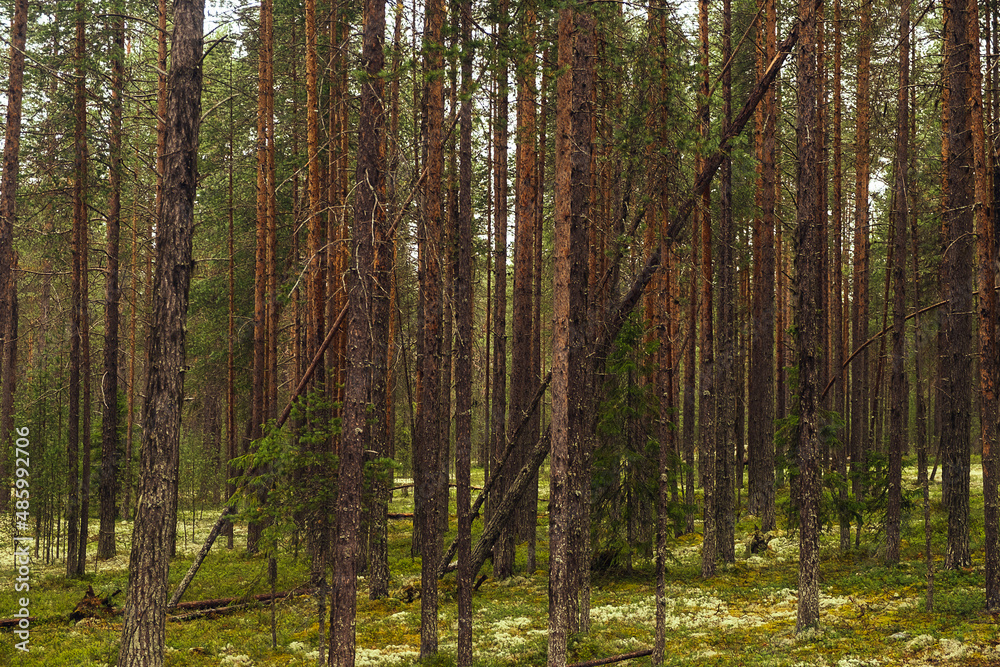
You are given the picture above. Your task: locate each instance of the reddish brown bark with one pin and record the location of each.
(570, 417)
(989, 365)
(8, 212)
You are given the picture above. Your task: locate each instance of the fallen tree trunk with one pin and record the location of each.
(212, 535)
(224, 602)
(503, 512)
(613, 659)
(488, 486)
(12, 622)
(208, 612)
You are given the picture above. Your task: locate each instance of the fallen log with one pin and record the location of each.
(503, 512)
(220, 523)
(209, 612)
(13, 622)
(613, 659)
(224, 602)
(495, 475)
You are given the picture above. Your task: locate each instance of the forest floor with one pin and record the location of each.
(872, 615)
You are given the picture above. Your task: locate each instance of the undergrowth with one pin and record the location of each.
(871, 614)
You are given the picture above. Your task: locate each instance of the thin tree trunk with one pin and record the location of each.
(726, 375)
(142, 640)
(706, 390)
(463, 360)
(499, 389)
(522, 378)
(75, 502)
(898, 400)
(862, 170)
(840, 321)
(109, 423)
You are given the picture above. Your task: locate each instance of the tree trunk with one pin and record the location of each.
(368, 292)
(142, 640)
(956, 288)
(986, 258)
(862, 171)
(109, 423)
(570, 418)
(463, 358)
(73, 516)
(706, 390)
(727, 379)
(760, 433)
(260, 389)
(898, 400)
(522, 377)
(808, 285)
(840, 321)
(429, 426)
(8, 212)
(499, 389)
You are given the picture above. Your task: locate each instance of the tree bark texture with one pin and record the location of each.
(368, 293)
(760, 428)
(429, 426)
(570, 421)
(463, 357)
(809, 283)
(112, 296)
(956, 285)
(989, 365)
(498, 419)
(8, 212)
(898, 399)
(142, 640)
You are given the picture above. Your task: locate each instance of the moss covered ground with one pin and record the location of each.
(872, 614)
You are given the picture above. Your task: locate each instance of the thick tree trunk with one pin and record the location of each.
(726, 376)
(368, 293)
(989, 365)
(142, 640)
(570, 418)
(956, 269)
(431, 503)
(8, 212)
(809, 283)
